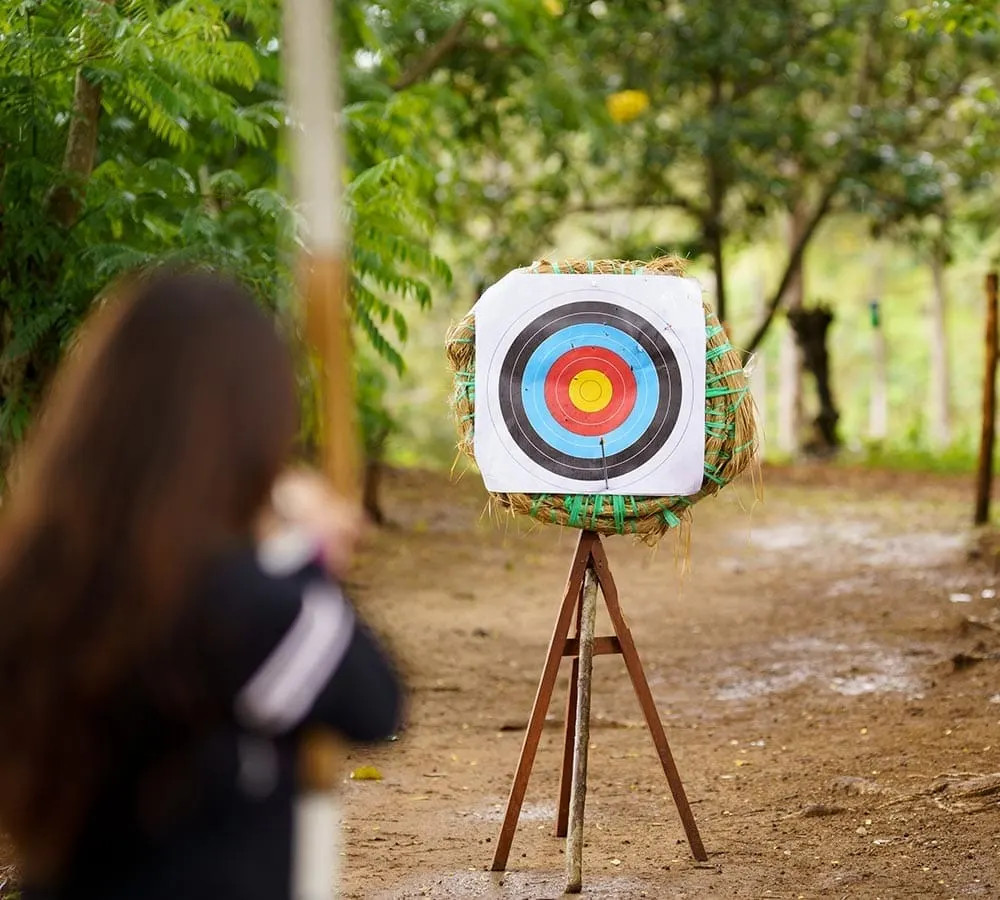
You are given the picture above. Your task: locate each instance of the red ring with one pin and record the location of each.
(567, 367)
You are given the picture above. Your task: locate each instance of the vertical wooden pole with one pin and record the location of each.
(569, 738)
(984, 479)
(578, 795)
(546, 684)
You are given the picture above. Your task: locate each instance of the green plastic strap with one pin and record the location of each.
(618, 513)
(555, 269)
(575, 509)
(714, 379)
(598, 501)
(716, 352)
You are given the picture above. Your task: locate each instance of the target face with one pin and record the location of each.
(592, 384)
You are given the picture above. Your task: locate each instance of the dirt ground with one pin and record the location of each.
(827, 672)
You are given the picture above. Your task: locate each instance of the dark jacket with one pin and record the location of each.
(205, 812)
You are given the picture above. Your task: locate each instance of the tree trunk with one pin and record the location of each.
(790, 412)
(371, 498)
(714, 236)
(811, 329)
(713, 225)
(22, 379)
(65, 200)
(940, 387)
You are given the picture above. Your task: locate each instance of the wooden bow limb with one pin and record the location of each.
(313, 94)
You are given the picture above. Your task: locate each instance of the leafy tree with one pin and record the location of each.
(744, 111)
(139, 131)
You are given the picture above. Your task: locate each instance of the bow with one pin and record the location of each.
(313, 95)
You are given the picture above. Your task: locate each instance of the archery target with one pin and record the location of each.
(591, 384)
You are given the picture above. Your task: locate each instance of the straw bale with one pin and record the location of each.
(731, 440)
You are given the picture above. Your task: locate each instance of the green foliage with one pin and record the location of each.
(955, 460)
(483, 130)
(189, 168)
(970, 16)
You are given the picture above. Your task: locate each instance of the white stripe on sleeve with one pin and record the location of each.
(282, 690)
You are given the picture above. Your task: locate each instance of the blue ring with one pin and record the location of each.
(511, 397)
(590, 334)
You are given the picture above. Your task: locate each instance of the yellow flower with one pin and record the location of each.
(554, 7)
(625, 106)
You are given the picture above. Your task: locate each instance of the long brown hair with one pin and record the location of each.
(157, 448)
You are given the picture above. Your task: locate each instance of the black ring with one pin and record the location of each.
(596, 312)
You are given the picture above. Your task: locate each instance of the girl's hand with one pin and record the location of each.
(305, 500)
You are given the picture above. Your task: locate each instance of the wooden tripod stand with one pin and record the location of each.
(589, 569)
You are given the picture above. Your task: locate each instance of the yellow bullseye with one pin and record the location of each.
(590, 391)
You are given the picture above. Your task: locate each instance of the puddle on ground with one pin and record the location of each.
(816, 540)
(842, 668)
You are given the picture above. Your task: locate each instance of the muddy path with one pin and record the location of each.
(826, 671)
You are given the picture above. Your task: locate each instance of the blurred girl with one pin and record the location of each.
(166, 631)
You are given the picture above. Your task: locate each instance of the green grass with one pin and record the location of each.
(955, 460)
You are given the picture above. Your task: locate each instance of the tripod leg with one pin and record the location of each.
(543, 696)
(566, 778)
(645, 697)
(578, 798)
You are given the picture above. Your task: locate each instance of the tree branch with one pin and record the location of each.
(689, 206)
(794, 258)
(422, 67)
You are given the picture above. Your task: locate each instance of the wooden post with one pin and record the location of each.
(984, 479)
(543, 696)
(569, 738)
(581, 744)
